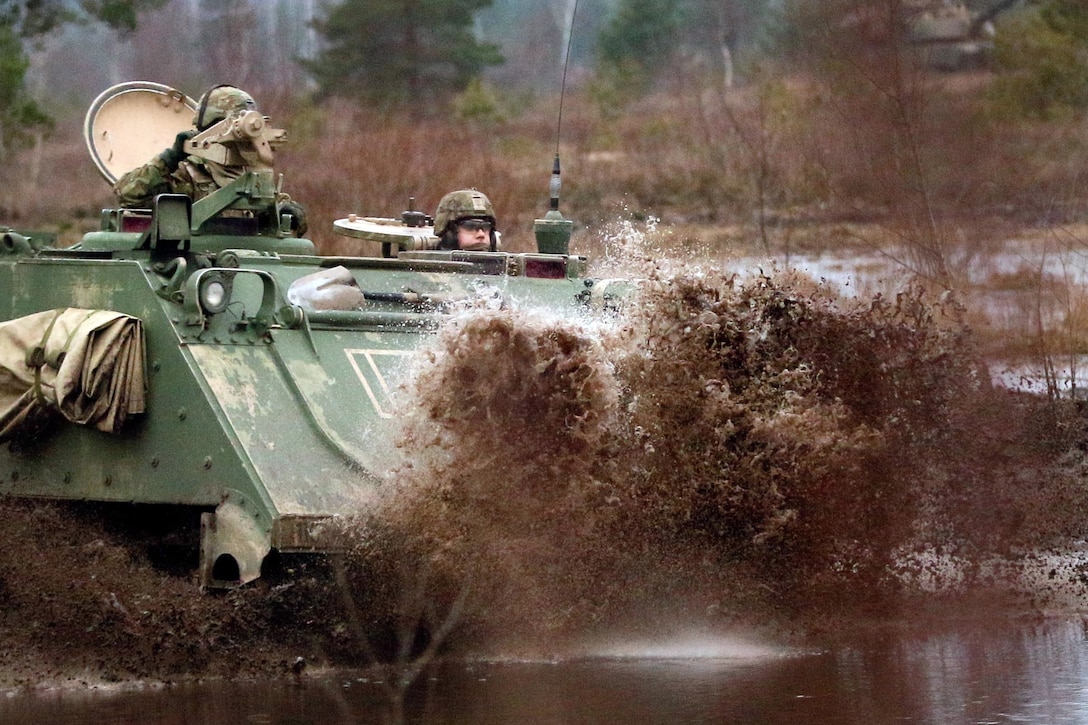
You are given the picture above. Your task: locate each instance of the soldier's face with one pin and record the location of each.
(474, 235)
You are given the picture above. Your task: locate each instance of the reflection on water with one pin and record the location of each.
(970, 674)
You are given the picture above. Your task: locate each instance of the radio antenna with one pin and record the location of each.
(553, 231)
(563, 85)
(555, 183)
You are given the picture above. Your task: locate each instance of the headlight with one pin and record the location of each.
(214, 293)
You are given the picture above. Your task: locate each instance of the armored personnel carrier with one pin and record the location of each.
(954, 35)
(197, 355)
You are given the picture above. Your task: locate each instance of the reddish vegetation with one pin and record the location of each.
(919, 155)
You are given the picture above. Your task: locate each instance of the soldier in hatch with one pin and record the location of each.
(175, 172)
(465, 220)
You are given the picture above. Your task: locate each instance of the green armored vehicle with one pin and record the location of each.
(955, 35)
(200, 355)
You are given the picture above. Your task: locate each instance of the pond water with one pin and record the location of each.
(998, 671)
(1002, 672)
(1011, 310)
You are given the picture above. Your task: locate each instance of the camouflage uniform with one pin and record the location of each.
(139, 186)
(171, 172)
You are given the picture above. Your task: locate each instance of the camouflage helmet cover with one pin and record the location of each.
(219, 102)
(462, 204)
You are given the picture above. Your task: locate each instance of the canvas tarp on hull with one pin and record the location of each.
(87, 365)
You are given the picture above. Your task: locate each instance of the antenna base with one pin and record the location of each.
(553, 233)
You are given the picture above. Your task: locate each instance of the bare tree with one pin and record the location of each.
(890, 147)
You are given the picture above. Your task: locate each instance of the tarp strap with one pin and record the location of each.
(35, 358)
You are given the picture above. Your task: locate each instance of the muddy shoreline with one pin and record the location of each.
(87, 612)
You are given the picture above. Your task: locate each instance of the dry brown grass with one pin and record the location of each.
(786, 154)
(781, 166)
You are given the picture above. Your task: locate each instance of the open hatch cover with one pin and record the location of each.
(129, 123)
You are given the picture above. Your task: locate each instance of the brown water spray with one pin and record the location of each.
(722, 448)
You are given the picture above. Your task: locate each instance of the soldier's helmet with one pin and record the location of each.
(220, 102)
(462, 204)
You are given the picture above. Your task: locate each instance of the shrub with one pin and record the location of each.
(1042, 62)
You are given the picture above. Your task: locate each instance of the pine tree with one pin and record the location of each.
(1042, 61)
(641, 36)
(395, 51)
(21, 23)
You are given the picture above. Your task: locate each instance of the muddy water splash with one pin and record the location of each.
(720, 452)
(723, 451)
